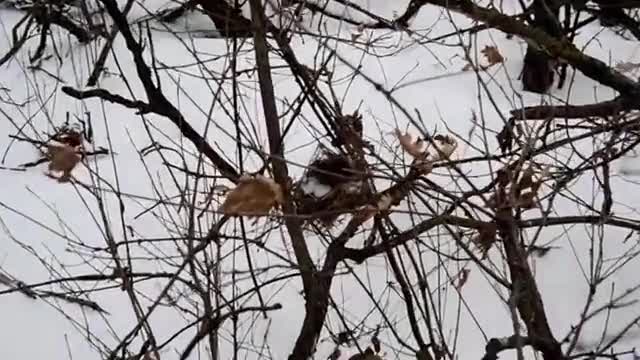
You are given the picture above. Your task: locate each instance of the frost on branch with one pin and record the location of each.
(517, 190)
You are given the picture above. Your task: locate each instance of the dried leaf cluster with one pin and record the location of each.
(64, 152)
(415, 148)
(62, 158)
(253, 196)
(512, 190)
(485, 238)
(445, 145)
(518, 192)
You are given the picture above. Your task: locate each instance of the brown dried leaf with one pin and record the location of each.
(62, 158)
(485, 238)
(253, 196)
(462, 278)
(413, 148)
(492, 55)
(446, 145)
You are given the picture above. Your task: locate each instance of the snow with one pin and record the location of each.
(40, 216)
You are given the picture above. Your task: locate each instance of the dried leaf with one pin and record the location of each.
(62, 158)
(492, 55)
(253, 196)
(485, 238)
(413, 148)
(463, 276)
(446, 145)
(469, 66)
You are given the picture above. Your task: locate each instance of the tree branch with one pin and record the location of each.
(589, 66)
(158, 102)
(141, 106)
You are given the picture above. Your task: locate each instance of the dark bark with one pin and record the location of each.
(229, 21)
(171, 15)
(524, 288)
(539, 67)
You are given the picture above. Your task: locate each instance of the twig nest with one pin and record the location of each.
(253, 196)
(313, 187)
(330, 187)
(331, 170)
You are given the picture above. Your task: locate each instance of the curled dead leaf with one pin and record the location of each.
(492, 55)
(485, 238)
(445, 146)
(411, 147)
(462, 278)
(253, 196)
(62, 158)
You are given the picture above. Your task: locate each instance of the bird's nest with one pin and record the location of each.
(331, 187)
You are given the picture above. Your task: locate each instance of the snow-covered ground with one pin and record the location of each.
(43, 221)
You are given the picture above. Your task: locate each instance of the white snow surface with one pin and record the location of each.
(37, 214)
